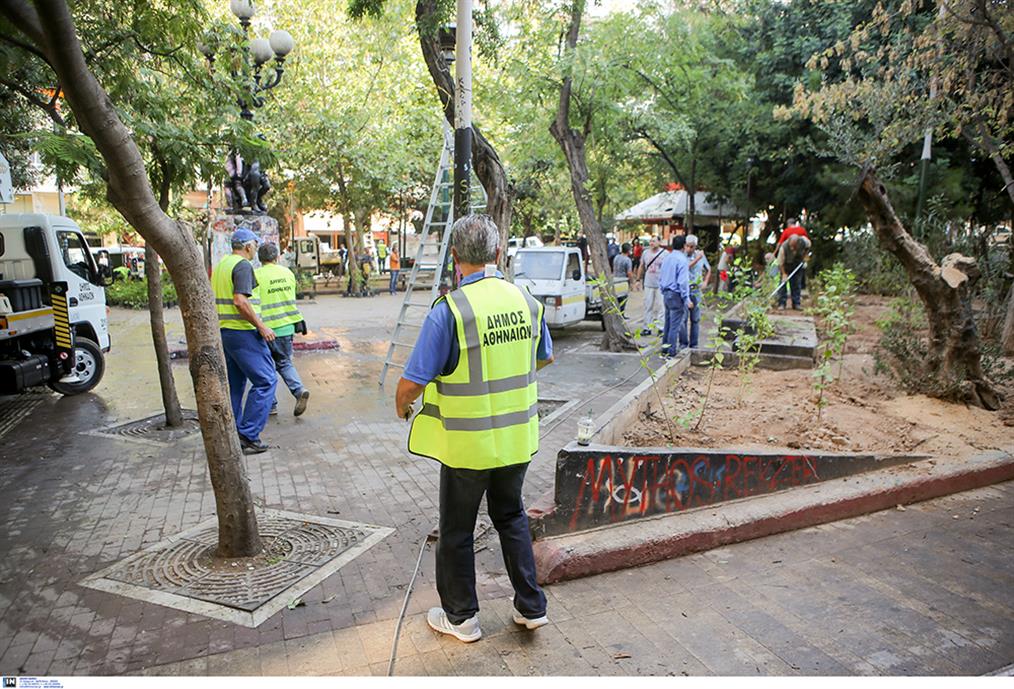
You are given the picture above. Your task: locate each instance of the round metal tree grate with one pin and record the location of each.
(152, 429)
(293, 549)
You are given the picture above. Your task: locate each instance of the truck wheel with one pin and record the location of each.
(90, 366)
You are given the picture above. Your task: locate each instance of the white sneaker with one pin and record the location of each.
(530, 623)
(468, 631)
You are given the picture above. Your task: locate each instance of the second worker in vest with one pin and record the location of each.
(277, 287)
(474, 364)
(244, 339)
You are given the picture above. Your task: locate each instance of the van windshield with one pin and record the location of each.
(539, 265)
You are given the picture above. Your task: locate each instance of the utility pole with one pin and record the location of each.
(463, 109)
(927, 143)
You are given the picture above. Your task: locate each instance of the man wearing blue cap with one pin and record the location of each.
(244, 339)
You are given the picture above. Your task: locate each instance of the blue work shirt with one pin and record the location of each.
(675, 274)
(697, 271)
(436, 351)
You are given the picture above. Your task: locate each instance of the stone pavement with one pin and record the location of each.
(76, 503)
(924, 591)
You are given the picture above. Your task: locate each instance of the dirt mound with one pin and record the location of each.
(864, 412)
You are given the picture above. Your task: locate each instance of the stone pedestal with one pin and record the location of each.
(220, 237)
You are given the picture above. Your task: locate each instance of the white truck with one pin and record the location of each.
(54, 327)
(556, 276)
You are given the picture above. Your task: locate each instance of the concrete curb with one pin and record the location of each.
(650, 540)
(611, 424)
(313, 346)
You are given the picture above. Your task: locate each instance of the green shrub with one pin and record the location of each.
(876, 270)
(833, 290)
(133, 294)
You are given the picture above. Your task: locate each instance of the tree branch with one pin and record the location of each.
(49, 108)
(24, 46)
(24, 17)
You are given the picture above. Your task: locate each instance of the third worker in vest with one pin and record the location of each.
(277, 286)
(244, 339)
(474, 364)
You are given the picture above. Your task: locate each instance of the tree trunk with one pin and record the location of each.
(170, 400)
(500, 192)
(153, 276)
(572, 143)
(1007, 338)
(953, 352)
(129, 189)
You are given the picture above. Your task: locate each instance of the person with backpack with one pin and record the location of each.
(651, 266)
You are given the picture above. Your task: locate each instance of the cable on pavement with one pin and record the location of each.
(404, 605)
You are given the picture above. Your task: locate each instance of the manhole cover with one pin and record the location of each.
(300, 551)
(15, 408)
(151, 429)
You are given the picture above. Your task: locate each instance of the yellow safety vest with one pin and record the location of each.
(221, 282)
(277, 287)
(485, 414)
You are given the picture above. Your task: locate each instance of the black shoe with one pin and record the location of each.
(252, 447)
(301, 401)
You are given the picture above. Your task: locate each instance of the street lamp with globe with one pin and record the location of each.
(248, 184)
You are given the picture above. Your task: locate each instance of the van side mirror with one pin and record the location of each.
(576, 275)
(105, 268)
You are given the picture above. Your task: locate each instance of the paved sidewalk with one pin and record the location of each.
(77, 503)
(910, 592)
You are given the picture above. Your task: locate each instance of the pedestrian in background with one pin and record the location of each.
(277, 288)
(699, 275)
(674, 281)
(790, 257)
(623, 267)
(651, 268)
(381, 256)
(486, 335)
(245, 340)
(395, 263)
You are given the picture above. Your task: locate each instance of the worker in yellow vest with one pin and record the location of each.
(474, 365)
(245, 340)
(277, 286)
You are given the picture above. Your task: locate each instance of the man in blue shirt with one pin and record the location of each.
(475, 250)
(700, 275)
(436, 350)
(674, 281)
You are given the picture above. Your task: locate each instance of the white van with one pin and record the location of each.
(556, 277)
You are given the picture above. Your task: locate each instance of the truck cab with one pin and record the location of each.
(53, 322)
(556, 276)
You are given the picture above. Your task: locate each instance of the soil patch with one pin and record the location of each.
(866, 412)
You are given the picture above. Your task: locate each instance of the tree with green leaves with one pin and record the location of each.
(873, 100)
(430, 16)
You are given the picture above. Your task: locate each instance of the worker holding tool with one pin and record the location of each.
(474, 365)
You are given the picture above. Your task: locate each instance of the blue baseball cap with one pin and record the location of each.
(244, 235)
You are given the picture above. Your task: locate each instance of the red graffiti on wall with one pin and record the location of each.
(620, 488)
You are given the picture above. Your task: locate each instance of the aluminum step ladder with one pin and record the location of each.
(431, 257)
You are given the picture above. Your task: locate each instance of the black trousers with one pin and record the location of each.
(461, 491)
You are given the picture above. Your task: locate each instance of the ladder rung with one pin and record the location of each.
(391, 363)
(403, 344)
(416, 303)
